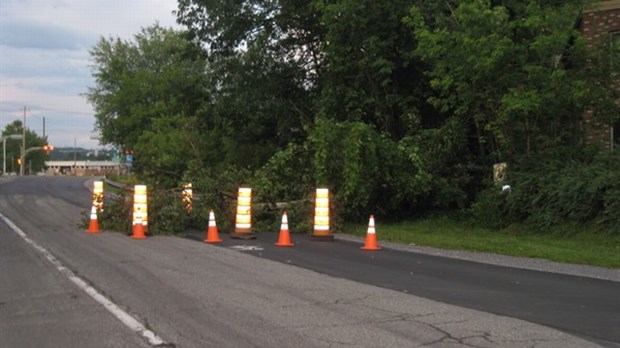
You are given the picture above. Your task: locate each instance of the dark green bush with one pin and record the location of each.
(489, 210)
(367, 171)
(167, 213)
(547, 193)
(216, 188)
(611, 211)
(445, 156)
(116, 214)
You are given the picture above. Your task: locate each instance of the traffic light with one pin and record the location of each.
(19, 161)
(48, 148)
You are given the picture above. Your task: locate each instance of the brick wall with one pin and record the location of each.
(601, 19)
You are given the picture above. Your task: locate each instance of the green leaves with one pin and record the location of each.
(159, 74)
(369, 75)
(34, 161)
(551, 192)
(164, 151)
(512, 68)
(366, 170)
(397, 106)
(147, 98)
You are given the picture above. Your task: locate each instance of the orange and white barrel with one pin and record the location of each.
(187, 196)
(140, 210)
(98, 195)
(243, 219)
(321, 215)
(97, 206)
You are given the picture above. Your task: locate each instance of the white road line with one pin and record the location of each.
(123, 316)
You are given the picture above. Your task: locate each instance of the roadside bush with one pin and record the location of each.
(445, 156)
(553, 192)
(116, 214)
(366, 171)
(287, 176)
(167, 213)
(215, 187)
(611, 212)
(285, 183)
(489, 210)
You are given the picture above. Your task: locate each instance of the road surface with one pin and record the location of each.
(192, 294)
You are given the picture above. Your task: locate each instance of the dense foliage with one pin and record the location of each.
(518, 74)
(582, 189)
(399, 107)
(146, 94)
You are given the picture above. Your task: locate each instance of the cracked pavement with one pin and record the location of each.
(197, 295)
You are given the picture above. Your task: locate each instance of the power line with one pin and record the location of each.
(66, 111)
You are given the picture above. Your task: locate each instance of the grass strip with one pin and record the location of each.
(567, 244)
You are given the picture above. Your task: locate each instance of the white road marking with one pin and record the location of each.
(246, 247)
(123, 316)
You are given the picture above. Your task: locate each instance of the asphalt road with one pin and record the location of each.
(40, 308)
(583, 306)
(197, 295)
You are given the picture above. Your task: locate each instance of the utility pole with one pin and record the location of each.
(74, 156)
(23, 154)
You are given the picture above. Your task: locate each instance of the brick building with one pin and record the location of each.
(601, 25)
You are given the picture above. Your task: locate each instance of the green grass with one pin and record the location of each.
(568, 244)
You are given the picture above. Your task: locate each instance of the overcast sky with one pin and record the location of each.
(44, 60)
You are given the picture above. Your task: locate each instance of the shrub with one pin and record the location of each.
(552, 192)
(116, 214)
(489, 210)
(366, 171)
(215, 187)
(610, 215)
(167, 213)
(444, 154)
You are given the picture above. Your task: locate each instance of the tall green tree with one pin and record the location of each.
(370, 74)
(153, 84)
(309, 72)
(258, 103)
(517, 72)
(347, 60)
(264, 63)
(35, 160)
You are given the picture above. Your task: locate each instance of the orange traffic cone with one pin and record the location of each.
(371, 236)
(93, 225)
(285, 237)
(138, 228)
(212, 234)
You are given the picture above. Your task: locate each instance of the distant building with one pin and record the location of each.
(82, 168)
(602, 22)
